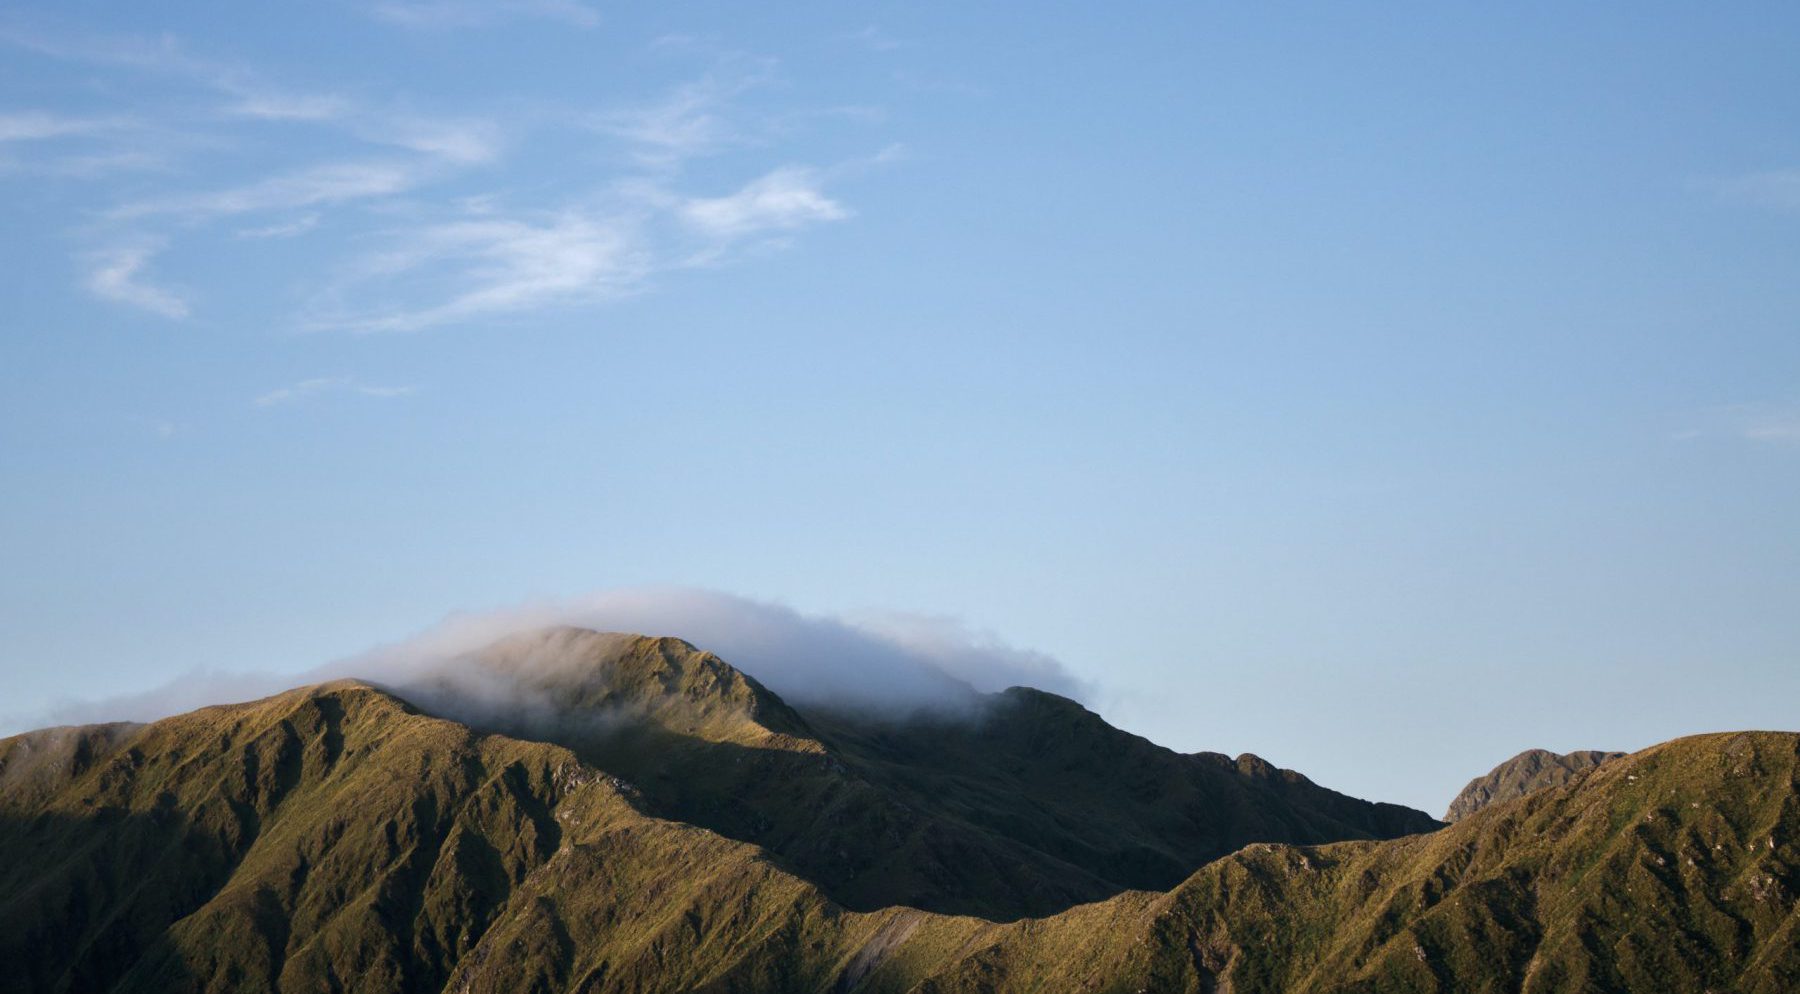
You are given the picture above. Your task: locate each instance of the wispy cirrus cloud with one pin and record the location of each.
(248, 93)
(694, 119)
(118, 274)
(492, 266)
(460, 141)
(449, 14)
(318, 385)
(283, 229)
(269, 105)
(1762, 423)
(39, 125)
(1777, 189)
(783, 200)
(330, 183)
(407, 238)
(1774, 425)
(876, 39)
(495, 264)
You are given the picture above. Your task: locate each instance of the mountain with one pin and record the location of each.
(1673, 870)
(1023, 803)
(1533, 769)
(340, 838)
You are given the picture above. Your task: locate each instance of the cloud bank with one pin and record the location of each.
(892, 663)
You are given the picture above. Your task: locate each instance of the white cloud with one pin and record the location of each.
(37, 125)
(444, 253)
(463, 141)
(164, 55)
(494, 262)
(118, 274)
(1771, 426)
(286, 229)
(903, 663)
(446, 14)
(1778, 189)
(329, 384)
(1766, 423)
(331, 183)
(875, 39)
(505, 265)
(694, 119)
(897, 666)
(783, 200)
(269, 105)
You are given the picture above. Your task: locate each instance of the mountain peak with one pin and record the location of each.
(609, 680)
(1529, 771)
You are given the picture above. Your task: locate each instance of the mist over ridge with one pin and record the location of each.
(892, 663)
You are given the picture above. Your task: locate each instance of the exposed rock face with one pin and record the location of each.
(1533, 769)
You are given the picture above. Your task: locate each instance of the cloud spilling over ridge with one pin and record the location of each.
(888, 662)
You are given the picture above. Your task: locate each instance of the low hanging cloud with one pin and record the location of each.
(891, 663)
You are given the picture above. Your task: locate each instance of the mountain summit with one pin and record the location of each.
(1531, 770)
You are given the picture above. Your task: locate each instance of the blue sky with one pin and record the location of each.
(1383, 391)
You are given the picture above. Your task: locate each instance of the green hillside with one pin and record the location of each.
(337, 838)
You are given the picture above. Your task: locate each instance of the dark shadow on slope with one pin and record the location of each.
(1026, 812)
(85, 902)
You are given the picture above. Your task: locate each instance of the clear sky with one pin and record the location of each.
(1383, 389)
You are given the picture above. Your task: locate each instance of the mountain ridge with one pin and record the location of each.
(342, 837)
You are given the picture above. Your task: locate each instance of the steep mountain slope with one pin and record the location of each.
(1672, 870)
(1533, 769)
(338, 839)
(1025, 804)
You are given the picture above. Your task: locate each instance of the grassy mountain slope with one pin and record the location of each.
(1674, 869)
(337, 838)
(1533, 769)
(1026, 805)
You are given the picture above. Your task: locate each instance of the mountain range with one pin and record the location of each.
(577, 811)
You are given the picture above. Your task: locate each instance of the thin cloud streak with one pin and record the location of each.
(451, 14)
(37, 125)
(693, 120)
(307, 389)
(118, 274)
(1776, 189)
(331, 183)
(163, 55)
(287, 229)
(509, 265)
(577, 256)
(420, 256)
(1764, 423)
(783, 200)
